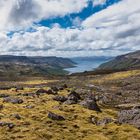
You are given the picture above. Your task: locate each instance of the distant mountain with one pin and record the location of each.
(15, 66)
(123, 62)
(91, 58)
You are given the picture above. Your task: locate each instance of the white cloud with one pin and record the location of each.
(99, 2)
(112, 31)
(22, 13)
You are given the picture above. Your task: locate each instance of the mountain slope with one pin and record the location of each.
(14, 66)
(123, 62)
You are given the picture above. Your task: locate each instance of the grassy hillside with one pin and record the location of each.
(123, 62)
(18, 66)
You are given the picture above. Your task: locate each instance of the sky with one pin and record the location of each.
(69, 28)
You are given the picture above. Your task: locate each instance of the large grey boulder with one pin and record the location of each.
(90, 104)
(131, 116)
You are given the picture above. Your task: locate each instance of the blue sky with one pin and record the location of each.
(66, 21)
(69, 28)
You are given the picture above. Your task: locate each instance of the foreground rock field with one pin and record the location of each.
(93, 107)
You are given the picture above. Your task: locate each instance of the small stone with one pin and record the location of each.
(1, 107)
(39, 91)
(54, 116)
(3, 95)
(60, 98)
(70, 102)
(9, 125)
(13, 100)
(55, 89)
(17, 116)
(65, 86)
(29, 106)
(104, 121)
(19, 88)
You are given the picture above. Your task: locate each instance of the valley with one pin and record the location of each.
(101, 104)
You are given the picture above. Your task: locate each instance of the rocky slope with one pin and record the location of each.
(123, 62)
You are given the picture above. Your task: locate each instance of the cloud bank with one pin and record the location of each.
(112, 31)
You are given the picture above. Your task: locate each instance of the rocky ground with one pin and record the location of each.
(93, 107)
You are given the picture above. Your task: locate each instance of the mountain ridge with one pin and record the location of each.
(17, 66)
(123, 62)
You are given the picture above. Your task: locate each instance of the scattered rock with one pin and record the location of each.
(29, 106)
(13, 100)
(54, 116)
(19, 88)
(93, 120)
(5, 88)
(55, 89)
(70, 102)
(17, 116)
(119, 93)
(76, 126)
(91, 96)
(28, 94)
(1, 107)
(90, 104)
(104, 121)
(60, 98)
(43, 91)
(60, 88)
(65, 86)
(9, 125)
(3, 95)
(131, 116)
(51, 92)
(39, 91)
(136, 107)
(74, 96)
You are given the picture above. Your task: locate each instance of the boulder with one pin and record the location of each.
(70, 102)
(54, 116)
(72, 98)
(90, 104)
(131, 116)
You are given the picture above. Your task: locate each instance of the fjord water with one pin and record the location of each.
(86, 63)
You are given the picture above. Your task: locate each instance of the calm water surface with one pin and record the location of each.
(86, 64)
